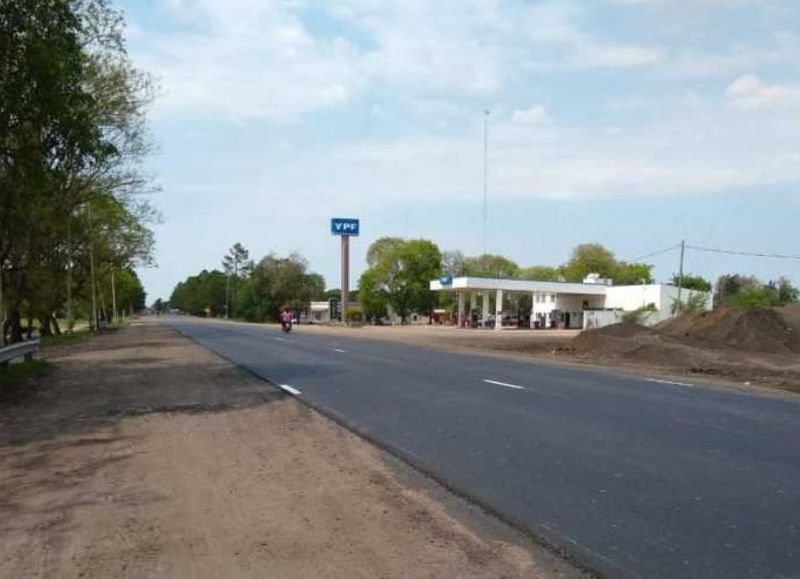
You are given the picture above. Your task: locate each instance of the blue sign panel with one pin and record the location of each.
(340, 226)
(446, 280)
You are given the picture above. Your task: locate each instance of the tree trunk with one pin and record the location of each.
(56, 327)
(44, 327)
(14, 325)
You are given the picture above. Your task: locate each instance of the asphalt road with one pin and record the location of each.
(635, 478)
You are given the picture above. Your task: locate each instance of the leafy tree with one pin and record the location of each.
(748, 292)
(201, 294)
(380, 248)
(490, 266)
(237, 265)
(786, 292)
(71, 133)
(538, 273)
(276, 283)
(400, 277)
(729, 286)
(594, 258)
(454, 263)
(692, 282)
(590, 258)
(374, 299)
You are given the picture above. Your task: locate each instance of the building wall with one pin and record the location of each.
(663, 296)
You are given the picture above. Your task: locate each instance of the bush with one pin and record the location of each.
(353, 314)
(694, 304)
(638, 315)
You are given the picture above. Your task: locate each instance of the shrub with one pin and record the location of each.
(638, 315)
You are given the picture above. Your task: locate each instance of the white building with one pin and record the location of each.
(591, 304)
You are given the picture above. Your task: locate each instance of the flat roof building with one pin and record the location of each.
(499, 303)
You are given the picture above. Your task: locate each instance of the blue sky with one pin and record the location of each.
(633, 123)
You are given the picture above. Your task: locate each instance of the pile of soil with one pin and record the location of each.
(769, 330)
(754, 346)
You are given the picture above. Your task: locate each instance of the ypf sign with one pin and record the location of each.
(345, 229)
(342, 226)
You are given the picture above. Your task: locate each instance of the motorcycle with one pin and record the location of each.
(286, 327)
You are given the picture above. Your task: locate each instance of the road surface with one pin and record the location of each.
(635, 478)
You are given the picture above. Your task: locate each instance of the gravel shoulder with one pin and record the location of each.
(142, 454)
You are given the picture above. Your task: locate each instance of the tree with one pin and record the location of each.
(488, 265)
(400, 277)
(381, 248)
(454, 263)
(71, 133)
(748, 292)
(539, 273)
(236, 265)
(692, 282)
(276, 283)
(594, 258)
(590, 258)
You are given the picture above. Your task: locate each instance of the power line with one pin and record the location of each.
(743, 253)
(659, 252)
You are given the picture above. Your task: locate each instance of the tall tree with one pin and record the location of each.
(488, 265)
(400, 277)
(236, 264)
(72, 130)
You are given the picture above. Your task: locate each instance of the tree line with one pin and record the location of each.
(252, 290)
(72, 135)
(398, 275)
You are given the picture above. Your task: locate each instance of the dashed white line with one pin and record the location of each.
(289, 389)
(280, 339)
(340, 350)
(671, 383)
(503, 384)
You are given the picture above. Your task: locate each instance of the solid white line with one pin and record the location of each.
(670, 382)
(503, 384)
(289, 389)
(340, 350)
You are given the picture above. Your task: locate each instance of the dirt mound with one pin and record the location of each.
(769, 330)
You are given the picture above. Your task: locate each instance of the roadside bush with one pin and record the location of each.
(694, 304)
(638, 315)
(353, 314)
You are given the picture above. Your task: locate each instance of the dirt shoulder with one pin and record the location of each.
(142, 454)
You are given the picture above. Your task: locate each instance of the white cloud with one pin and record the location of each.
(749, 91)
(535, 115)
(258, 59)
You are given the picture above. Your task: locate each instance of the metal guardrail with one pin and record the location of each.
(22, 349)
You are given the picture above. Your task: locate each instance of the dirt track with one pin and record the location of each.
(143, 455)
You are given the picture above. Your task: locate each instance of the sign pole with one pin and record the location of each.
(345, 275)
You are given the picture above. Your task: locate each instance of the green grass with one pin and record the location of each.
(16, 373)
(65, 338)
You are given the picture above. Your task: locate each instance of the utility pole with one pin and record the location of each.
(70, 320)
(91, 269)
(2, 310)
(113, 295)
(680, 275)
(485, 181)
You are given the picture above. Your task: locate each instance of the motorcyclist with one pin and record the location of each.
(286, 319)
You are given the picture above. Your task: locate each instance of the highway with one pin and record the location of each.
(632, 477)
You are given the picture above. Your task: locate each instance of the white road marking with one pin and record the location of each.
(289, 389)
(340, 350)
(503, 384)
(280, 339)
(671, 383)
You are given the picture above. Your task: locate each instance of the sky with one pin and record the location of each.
(631, 123)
